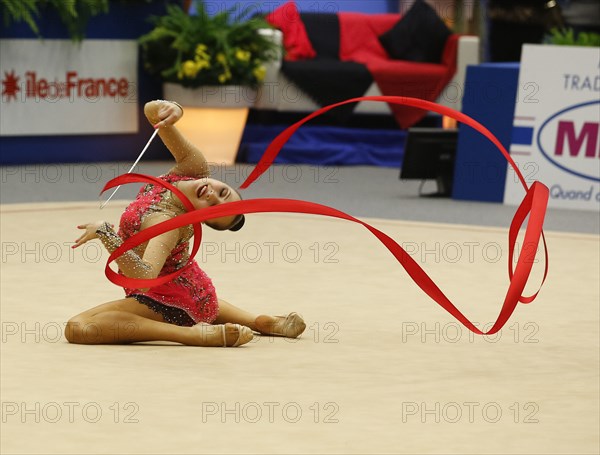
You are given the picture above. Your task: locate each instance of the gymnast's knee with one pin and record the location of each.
(97, 328)
(75, 330)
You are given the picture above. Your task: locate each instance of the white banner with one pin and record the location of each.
(556, 126)
(56, 87)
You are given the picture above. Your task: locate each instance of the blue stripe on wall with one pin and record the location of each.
(522, 135)
(326, 145)
(248, 9)
(489, 97)
(125, 20)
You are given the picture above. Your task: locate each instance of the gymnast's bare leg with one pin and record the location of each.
(290, 326)
(128, 321)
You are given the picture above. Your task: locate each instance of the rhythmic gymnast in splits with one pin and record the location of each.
(186, 309)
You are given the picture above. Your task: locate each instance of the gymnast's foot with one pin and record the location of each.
(290, 326)
(220, 335)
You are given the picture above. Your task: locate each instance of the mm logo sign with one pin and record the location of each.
(570, 140)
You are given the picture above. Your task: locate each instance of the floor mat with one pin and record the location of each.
(380, 369)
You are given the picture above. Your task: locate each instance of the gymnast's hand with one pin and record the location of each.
(90, 232)
(168, 114)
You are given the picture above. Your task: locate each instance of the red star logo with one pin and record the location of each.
(10, 85)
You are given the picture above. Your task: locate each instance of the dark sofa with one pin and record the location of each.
(350, 57)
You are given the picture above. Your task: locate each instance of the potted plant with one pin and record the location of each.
(212, 65)
(568, 37)
(207, 52)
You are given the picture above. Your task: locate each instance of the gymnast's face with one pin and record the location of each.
(207, 192)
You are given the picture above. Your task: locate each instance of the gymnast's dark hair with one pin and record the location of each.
(238, 223)
(239, 220)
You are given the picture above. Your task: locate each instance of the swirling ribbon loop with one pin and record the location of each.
(533, 206)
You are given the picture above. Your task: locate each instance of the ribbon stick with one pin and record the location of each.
(132, 167)
(533, 208)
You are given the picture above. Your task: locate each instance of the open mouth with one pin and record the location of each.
(202, 190)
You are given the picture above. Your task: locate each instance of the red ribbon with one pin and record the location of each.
(533, 206)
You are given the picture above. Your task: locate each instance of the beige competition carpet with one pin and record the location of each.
(380, 368)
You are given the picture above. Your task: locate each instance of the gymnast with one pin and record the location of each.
(186, 309)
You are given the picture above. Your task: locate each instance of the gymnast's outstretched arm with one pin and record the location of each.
(190, 160)
(131, 264)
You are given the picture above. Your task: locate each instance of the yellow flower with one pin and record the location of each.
(201, 64)
(224, 77)
(242, 55)
(259, 73)
(221, 58)
(201, 53)
(190, 69)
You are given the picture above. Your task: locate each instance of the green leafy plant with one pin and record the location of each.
(567, 37)
(74, 14)
(196, 50)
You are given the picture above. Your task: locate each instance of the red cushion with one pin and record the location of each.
(359, 35)
(359, 42)
(295, 39)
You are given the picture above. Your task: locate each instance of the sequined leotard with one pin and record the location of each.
(190, 298)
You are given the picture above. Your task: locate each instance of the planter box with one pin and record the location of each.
(214, 118)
